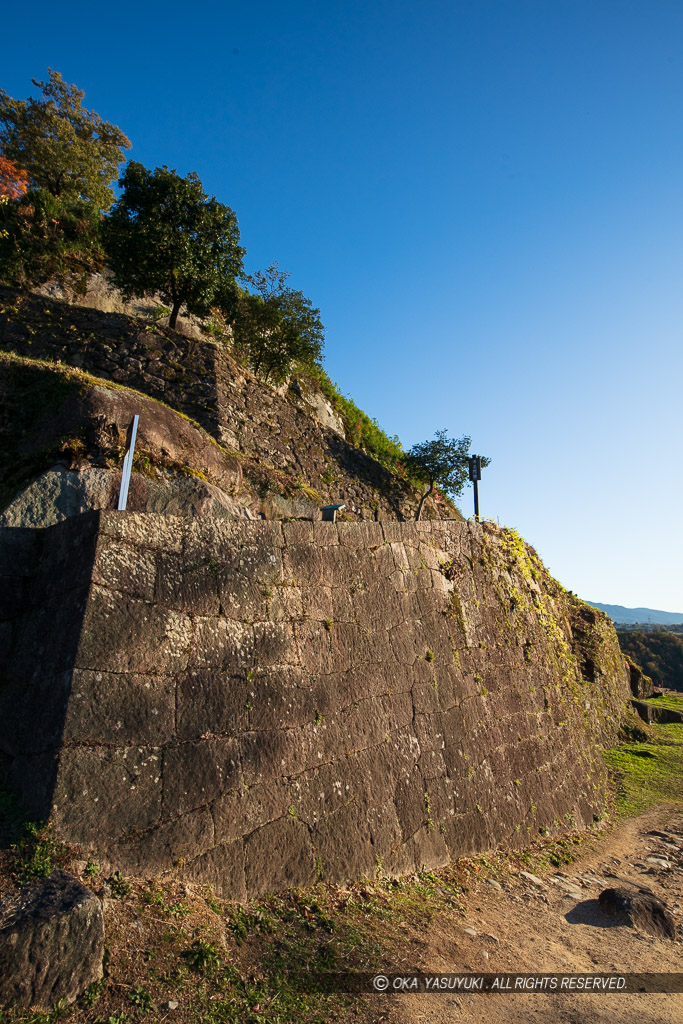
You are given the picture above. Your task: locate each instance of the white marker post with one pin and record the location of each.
(128, 464)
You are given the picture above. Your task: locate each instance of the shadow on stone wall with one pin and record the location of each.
(44, 587)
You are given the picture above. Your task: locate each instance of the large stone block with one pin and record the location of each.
(47, 639)
(222, 868)
(209, 701)
(102, 794)
(343, 845)
(126, 569)
(166, 845)
(51, 943)
(197, 773)
(36, 707)
(223, 645)
(122, 634)
(191, 588)
(244, 808)
(108, 708)
(278, 856)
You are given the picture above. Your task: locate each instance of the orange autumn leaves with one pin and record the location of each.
(13, 181)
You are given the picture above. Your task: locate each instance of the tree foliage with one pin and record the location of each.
(42, 237)
(166, 236)
(659, 655)
(276, 326)
(13, 185)
(442, 462)
(59, 161)
(66, 150)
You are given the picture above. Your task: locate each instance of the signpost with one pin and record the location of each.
(128, 464)
(475, 477)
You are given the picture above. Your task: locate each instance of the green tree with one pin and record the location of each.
(276, 326)
(166, 236)
(442, 462)
(68, 157)
(67, 150)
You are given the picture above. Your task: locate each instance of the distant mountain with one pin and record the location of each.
(618, 613)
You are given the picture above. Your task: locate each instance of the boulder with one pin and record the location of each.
(639, 909)
(51, 942)
(59, 493)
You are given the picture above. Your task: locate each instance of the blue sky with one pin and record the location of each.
(485, 200)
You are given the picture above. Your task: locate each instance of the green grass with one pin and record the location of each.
(155, 898)
(647, 773)
(668, 700)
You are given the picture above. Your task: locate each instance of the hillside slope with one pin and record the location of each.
(659, 655)
(291, 446)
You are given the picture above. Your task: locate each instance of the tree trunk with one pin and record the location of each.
(177, 303)
(422, 500)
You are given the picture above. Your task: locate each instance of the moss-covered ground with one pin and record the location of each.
(648, 772)
(673, 701)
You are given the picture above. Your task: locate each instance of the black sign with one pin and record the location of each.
(475, 468)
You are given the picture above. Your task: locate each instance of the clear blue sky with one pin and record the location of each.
(485, 200)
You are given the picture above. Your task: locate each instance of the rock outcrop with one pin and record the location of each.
(641, 685)
(75, 428)
(59, 493)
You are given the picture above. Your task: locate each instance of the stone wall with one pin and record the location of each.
(259, 705)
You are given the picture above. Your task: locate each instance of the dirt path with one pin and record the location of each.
(557, 926)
